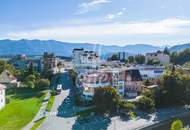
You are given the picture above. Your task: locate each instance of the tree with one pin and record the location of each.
(148, 93)
(30, 69)
(114, 57)
(30, 84)
(131, 59)
(180, 57)
(153, 62)
(73, 75)
(146, 103)
(31, 78)
(6, 66)
(43, 83)
(47, 66)
(147, 82)
(126, 105)
(140, 59)
(166, 51)
(177, 125)
(187, 64)
(106, 99)
(174, 89)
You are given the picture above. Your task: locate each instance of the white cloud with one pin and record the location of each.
(116, 15)
(110, 16)
(107, 32)
(89, 6)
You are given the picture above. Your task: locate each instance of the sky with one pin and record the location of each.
(108, 22)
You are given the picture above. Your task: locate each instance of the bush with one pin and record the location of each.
(127, 105)
(177, 125)
(43, 83)
(132, 115)
(53, 92)
(30, 84)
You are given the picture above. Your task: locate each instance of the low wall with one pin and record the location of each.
(166, 124)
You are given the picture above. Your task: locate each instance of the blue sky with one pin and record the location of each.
(118, 22)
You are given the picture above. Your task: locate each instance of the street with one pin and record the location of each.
(61, 116)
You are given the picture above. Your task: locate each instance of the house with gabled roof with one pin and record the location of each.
(8, 79)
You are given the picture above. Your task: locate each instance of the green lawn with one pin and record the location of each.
(21, 109)
(50, 103)
(37, 124)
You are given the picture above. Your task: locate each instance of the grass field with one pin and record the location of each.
(21, 109)
(37, 124)
(50, 103)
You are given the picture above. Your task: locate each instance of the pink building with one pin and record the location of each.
(124, 80)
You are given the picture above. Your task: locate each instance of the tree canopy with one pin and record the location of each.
(106, 99)
(180, 57)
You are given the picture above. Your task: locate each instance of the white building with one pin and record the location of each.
(84, 61)
(158, 56)
(150, 71)
(2, 96)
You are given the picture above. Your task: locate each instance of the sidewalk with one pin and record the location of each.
(41, 113)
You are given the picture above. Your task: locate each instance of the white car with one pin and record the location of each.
(59, 88)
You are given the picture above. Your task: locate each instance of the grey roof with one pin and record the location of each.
(6, 77)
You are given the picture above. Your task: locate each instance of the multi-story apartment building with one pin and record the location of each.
(123, 79)
(85, 60)
(158, 56)
(2, 96)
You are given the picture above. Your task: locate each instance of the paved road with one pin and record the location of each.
(61, 115)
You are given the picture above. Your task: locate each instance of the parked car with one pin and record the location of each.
(59, 88)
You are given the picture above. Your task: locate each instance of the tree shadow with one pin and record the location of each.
(22, 96)
(92, 123)
(67, 108)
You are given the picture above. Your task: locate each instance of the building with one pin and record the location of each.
(84, 61)
(22, 62)
(2, 96)
(123, 79)
(8, 79)
(150, 71)
(49, 62)
(158, 56)
(123, 56)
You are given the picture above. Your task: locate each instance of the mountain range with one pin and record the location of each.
(38, 47)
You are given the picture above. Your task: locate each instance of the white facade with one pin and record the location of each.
(2, 96)
(161, 57)
(84, 61)
(151, 71)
